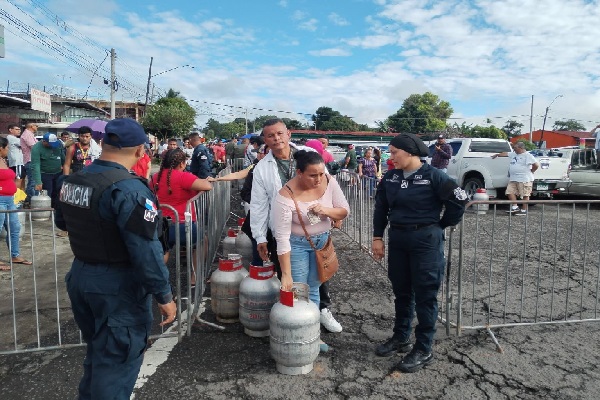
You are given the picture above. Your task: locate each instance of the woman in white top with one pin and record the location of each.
(321, 202)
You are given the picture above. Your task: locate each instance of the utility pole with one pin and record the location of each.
(531, 121)
(246, 121)
(113, 57)
(148, 85)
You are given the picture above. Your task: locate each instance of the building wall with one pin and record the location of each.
(552, 139)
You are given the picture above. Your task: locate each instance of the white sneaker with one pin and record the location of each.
(329, 322)
(513, 210)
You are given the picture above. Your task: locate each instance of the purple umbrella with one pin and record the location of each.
(97, 126)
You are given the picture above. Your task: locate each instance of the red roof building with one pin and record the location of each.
(559, 138)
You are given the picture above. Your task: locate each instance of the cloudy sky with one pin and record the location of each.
(360, 57)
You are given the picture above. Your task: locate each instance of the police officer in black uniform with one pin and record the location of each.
(111, 217)
(410, 198)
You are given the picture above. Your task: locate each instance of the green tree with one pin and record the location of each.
(421, 113)
(486, 132)
(293, 123)
(171, 94)
(327, 119)
(168, 117)
(568, 125)
(512, 128)
(229, 130)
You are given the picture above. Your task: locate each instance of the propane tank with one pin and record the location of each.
(41, 200)
(481, 195)
(243, 246)
(229, 242)
(258, 292)
(295, 331)
(225, 290)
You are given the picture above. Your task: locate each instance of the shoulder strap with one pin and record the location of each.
(300, 218)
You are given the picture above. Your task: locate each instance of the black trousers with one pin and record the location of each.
(416, 269)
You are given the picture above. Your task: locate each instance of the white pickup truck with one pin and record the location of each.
(473, 167)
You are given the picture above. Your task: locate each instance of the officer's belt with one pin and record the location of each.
(410, 227)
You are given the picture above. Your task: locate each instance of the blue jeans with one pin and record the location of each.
(304, 262)
(50, 184)
(10, 220)
(182, 237)
(30, 187)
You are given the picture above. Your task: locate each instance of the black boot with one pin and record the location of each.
(394, 345)
(414, 361)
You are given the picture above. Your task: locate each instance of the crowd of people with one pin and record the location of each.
(294, 201)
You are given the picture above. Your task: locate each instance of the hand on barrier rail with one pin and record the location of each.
(336, 224)
(169, 310)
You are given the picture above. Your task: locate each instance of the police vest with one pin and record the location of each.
(92, 238)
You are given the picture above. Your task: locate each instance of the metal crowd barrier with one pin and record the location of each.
(209, 211)
(503, 269)
(360, 193)
(37, 315)
(38, 312)
(522, 270)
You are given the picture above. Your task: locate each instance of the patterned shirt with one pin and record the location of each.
(369, 167)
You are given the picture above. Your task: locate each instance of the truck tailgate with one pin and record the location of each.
(552, 168)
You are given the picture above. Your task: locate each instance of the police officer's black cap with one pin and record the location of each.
(411, 144)
(124, 132)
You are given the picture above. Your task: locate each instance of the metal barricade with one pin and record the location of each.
(37, 315)
(211, 210)
(538, 268)
(360, 194)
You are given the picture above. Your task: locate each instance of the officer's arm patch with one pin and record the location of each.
(143, 219)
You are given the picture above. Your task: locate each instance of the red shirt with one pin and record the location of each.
(390, 164)
(7, 182)
(181, 192)
(142, 166)
(219, 153)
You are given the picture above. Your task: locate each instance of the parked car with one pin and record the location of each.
(584, 173)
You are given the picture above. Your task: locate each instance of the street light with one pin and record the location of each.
(544, 123)
(150, 76)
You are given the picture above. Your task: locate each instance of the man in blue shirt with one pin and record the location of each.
(202, 159)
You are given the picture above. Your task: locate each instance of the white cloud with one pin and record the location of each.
(309, 25)
(338, 20)
(283, 3)
(299, 15)
(493, 55)
(372, 41)
(333, 52)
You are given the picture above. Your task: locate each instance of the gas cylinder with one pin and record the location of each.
(41, 200)
(481, 195)
(225, 290)
(243, 246)
(258, 292)
(229, 242)
(295, 331)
